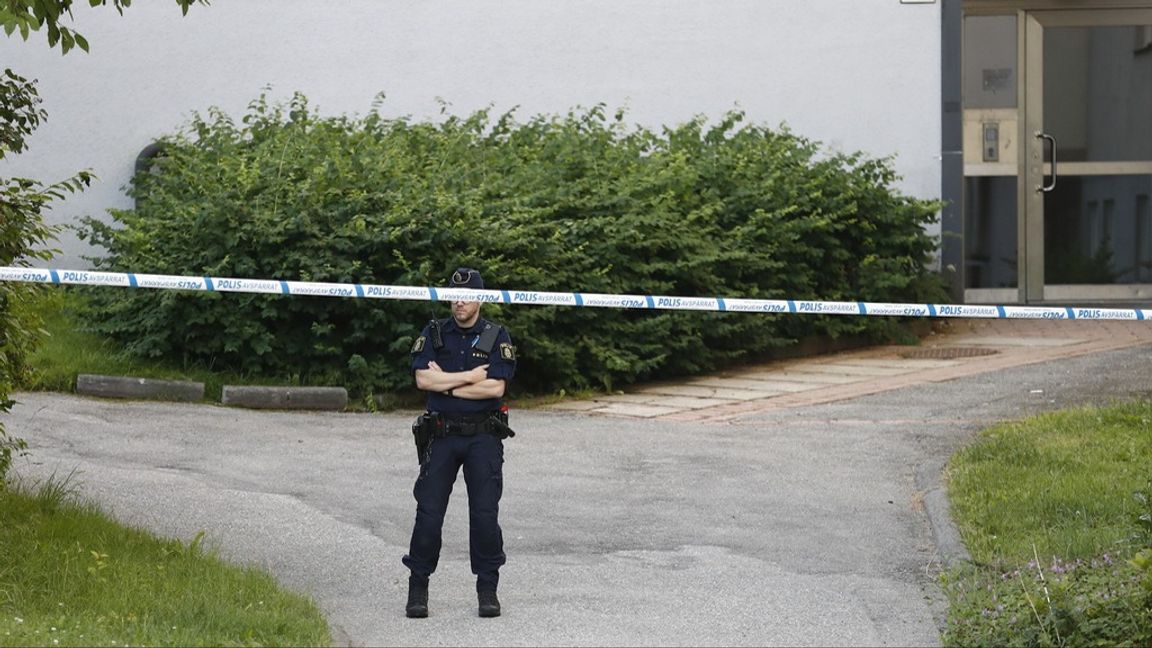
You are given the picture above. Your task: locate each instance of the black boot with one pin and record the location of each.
(417, 598)
(489, 604)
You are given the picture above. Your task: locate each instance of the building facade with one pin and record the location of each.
(1030, 119)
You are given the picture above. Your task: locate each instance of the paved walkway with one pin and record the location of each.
(959, 348)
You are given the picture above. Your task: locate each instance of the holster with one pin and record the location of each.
(423, 431)
(498, 421)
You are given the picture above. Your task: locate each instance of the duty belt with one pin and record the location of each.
(464, 424)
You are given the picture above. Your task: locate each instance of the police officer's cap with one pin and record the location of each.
(466, 278)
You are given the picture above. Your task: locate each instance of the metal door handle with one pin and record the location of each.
(1048, 187)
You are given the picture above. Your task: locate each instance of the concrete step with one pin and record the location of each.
(139, 388)
(260, 397)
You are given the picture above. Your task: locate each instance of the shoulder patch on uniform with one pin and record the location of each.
(418, 345)
(507, 351)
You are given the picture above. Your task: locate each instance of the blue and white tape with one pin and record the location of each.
(536, 298)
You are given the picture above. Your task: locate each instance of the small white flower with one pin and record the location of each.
(18, 620)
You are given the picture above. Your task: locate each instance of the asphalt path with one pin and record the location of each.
(799, 527)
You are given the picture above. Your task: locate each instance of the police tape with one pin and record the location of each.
(535, 298)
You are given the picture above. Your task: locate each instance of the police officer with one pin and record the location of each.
(464, 363)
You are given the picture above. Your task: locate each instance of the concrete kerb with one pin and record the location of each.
(309, 398)
(187, 391)
(936, 507)
(139, 388)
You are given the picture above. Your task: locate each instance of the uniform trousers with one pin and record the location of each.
(482, 457)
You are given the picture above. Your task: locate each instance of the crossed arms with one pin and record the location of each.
(473, 384)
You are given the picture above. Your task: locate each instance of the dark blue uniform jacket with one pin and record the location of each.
(459, 353)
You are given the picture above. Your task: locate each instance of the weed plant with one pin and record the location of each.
(71, 576)
(1057, 514)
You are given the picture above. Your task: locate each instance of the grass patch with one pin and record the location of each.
(69, 349)
(1060, 484)
(71, 576)
(1056, 511)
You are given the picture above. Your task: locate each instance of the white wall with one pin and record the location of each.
(854, 74)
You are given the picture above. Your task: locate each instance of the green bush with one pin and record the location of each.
(23, 236)
(579, 202)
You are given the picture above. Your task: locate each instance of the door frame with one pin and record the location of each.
(1033, 169)
(1033, 16)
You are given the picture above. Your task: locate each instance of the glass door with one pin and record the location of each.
(990, 79)
(1086, 180)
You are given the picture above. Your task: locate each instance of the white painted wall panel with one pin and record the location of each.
(854, 74)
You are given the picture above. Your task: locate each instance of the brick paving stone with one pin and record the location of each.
(762, 387)
(851, 370)
(774, 387)
(702, 391)
(906, 363)
(623, 398)
(708, 391)
(807, 381)
(635, 410)
(686, 402)
(1016, 341)
(793, 375)
(576, 406)
(678, 390)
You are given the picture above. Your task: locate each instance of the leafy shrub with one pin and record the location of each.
(22, 237)
(578, 202)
